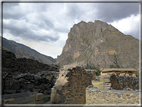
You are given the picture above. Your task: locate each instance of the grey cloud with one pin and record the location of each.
(27, 33)
(9, 5)
(8, 14)
(46, 23)
(14, 29)
(64, 30)
(12, 15)
(110, 12)
(74, 11)
(134, 33)
(36, 37)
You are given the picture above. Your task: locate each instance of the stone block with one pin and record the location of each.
(8, 101)
(106, 80)
(28, 86)
(39, 96)
(9, 91)
(36, 90)
(25, 100)
(108, 84)
(7, 88)
(16, 85)
(7, 83)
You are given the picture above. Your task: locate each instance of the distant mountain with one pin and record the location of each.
(23, 51)
(99, 44)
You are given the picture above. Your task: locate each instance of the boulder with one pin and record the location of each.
(16, 85)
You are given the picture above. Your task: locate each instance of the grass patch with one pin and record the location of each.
(98, 84)
(49, 74)
(46, 99)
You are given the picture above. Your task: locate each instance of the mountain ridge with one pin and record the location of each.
(23, 51)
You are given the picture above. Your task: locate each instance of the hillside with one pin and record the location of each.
(23, 51)
(98, 44)
(23, 65)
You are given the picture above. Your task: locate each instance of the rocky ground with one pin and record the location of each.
(23, 75)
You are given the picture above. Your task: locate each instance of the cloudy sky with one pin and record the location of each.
(45, 26)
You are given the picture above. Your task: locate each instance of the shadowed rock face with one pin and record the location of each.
(70, 86)
(96, 43)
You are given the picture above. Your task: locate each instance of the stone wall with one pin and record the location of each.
(41, 82)
(92, 73)
(70, 87)
(22, 98)
(112, 81)
(101, 96)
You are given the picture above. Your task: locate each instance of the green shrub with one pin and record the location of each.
(136, 73)
(93, 67)
(49, 74)
(46, 99)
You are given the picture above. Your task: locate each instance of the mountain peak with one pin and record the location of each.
(96, 43)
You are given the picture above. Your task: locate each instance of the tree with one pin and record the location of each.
(115, 65)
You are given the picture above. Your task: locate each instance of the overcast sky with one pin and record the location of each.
(45, 26)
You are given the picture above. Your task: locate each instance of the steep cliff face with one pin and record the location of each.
(99, 44)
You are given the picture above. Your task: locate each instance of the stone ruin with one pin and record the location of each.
(112, 81)
(41, 82)
(70, 87)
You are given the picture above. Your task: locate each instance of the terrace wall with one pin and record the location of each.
(101, 96)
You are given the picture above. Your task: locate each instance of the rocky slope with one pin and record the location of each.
(23, 51)
(22, 74)
(23, 65)
(99, 44)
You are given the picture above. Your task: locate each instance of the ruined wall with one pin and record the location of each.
(112, 81)
(101, 96)
(70, 87)
(92, 73)
(41, 82)
(22, 98)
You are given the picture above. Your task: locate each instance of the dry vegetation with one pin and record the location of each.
(98, 84)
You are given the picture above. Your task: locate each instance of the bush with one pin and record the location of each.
(93, 67)
(46, 99)
(136, 73)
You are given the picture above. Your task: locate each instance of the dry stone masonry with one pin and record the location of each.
(101, 96)
(22, 98)
(112, 81)
(41, 82)
(70, 87)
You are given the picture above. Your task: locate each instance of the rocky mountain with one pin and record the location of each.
(23, 51)
(99, 44)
